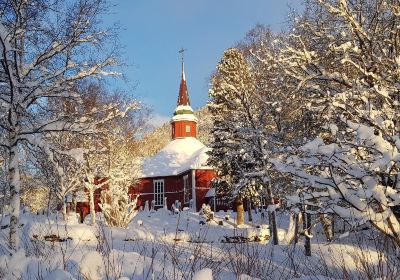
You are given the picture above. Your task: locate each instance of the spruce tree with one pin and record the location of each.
(231, 90)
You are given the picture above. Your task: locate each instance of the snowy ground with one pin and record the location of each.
(163, 246)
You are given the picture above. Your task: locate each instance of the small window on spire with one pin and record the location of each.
(187, 128)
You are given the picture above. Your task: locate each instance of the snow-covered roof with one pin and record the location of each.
(183, 108)
(178, 156)
(184, 117)
(210, 193)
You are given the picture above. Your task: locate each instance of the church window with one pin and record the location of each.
(158, 192)
(186, 190)
(187, 128)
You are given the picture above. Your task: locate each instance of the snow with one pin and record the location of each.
(91, 266)
(59, 274)
(204, 274)
(184, 117)
(183, 108)
(146, 252)
(178, 156)
(210, 193)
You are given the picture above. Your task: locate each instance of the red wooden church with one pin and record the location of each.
(178, 172)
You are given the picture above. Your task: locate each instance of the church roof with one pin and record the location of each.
(183, 97)
(178, 156)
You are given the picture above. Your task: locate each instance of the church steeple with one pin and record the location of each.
(183, 98)
(184, 122)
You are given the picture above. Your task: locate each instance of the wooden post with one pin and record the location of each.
(296, 228)
(250, 216)
(239, 211)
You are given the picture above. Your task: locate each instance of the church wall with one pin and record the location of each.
(173, 189)
(179, 129)
(203, 184)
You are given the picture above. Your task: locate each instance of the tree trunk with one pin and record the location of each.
(15, 183)
(272, 216)
(92, 209)
(63, 199)
(250, 216)
(272, 224)
(307, 232)
(297, 220)
(327, 226)
(239, 211)
(64, 210)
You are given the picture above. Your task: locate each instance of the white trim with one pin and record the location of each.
(184, 117)
(194, 189)
(186, 197)
(160, 195)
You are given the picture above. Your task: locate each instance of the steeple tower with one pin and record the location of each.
(184, 122)
(183, 98)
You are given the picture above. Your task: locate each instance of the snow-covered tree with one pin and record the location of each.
(36, 198)
(230, 86)
(117, 206)
(47, 47)
(114, 163)
(345, 57)
(123, 167)
(238, 138)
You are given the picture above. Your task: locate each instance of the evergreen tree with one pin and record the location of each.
(229, 83)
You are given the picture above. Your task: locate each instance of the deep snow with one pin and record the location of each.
(159, 245)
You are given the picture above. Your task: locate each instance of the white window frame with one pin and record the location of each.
(158, 192)
(187, 128)
(186, 190)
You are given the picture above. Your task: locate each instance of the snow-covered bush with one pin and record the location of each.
(117, 207)
(206, 212)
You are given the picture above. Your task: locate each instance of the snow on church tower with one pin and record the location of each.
(184, 122)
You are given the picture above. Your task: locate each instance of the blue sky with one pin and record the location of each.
(153, 31)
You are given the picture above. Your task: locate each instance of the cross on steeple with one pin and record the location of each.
(182, 53)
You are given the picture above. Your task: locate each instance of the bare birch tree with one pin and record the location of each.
(46, 48)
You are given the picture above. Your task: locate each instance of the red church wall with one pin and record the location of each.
(173, 189)
(203, 184)
(179, 129)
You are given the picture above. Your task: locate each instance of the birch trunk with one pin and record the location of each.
(15, 183)
(92, 210)
(307, 231)
(272, 216)
(62, 197)
(64, 210)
